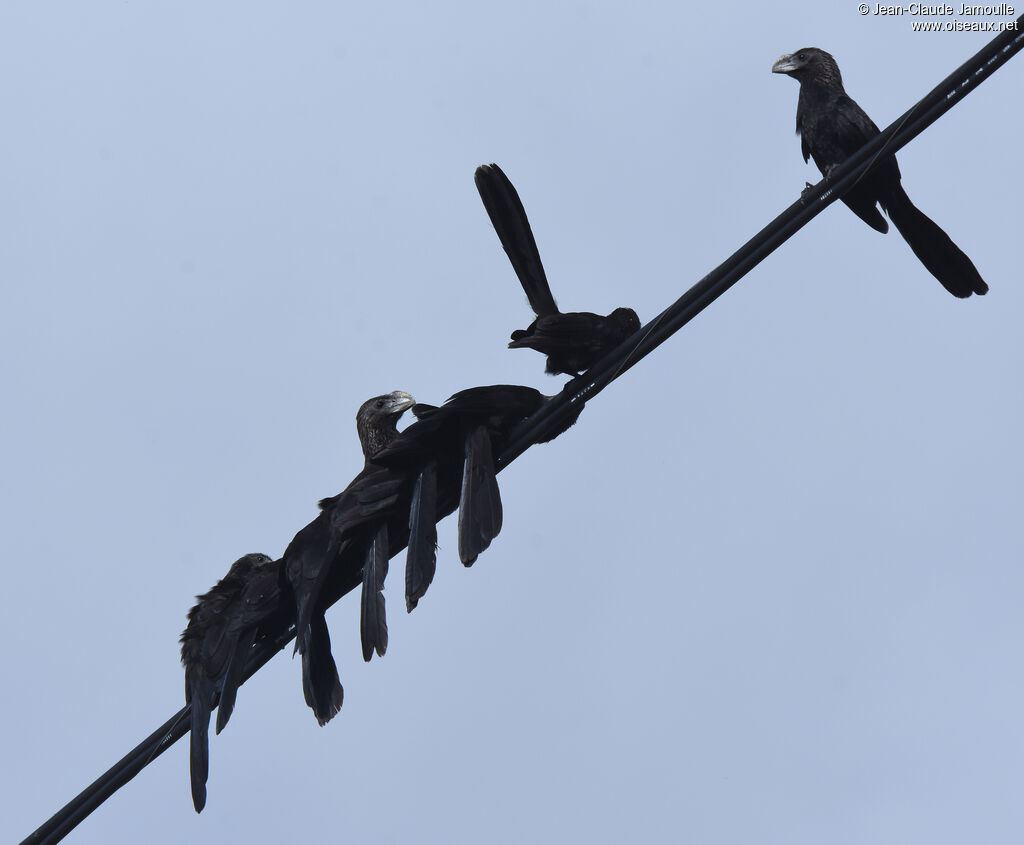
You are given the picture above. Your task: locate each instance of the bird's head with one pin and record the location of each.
(627, 320)
(808, 63)
(377, 420)
(257, 559)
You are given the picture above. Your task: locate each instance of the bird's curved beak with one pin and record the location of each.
(785, 64)
(399, 401)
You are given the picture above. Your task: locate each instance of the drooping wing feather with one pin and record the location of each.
(199, 694)
(321, 545)
(480, 506)
(373, 626)
(260, 600)
(321, 685)
(421, 558)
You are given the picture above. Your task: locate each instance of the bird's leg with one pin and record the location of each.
(808, 190)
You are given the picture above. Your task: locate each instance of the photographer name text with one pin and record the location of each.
(943, 10)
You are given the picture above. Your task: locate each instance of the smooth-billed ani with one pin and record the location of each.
(573, 341)
(450, 450)
(832, 127)
(222, 627)
(328, 557)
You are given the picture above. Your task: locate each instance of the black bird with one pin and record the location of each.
(435, 465)
(222, 628)
(324, 560)
(573, 342)
(832, 127)
(450, 451)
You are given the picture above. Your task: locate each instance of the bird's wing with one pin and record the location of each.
(373, 626)
(421, 558)
(260, 600)
(480, 505)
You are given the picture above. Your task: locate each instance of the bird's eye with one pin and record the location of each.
(380, 403)
(802, 56)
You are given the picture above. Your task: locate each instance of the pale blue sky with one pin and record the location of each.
(787, 611)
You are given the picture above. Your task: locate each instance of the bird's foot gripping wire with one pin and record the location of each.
(810, 192)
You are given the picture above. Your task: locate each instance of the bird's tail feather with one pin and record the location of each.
(373, 625)
(935, 249)
(320, 682)
(233, 677)
(199, 741)
(421, 559)
(513, 227)
(480, 502)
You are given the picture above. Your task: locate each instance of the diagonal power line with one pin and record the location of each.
(560, 407)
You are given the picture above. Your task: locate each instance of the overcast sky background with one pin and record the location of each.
(769, 588)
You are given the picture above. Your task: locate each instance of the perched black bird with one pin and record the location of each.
(222, 628)
(450, 451)
(327, 558)
(443, 460)
(832, 127)
(573, 342)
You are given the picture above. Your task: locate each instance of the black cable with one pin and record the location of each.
(67, 818)
(560, 407)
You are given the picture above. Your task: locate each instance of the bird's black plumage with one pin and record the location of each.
(421, 558)
(480, 512)
(573, 341)
(359, 521)
(397, 499)
(222, 627)
(457, 442)
(832, 127)
(328, 556)
(373, 623)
